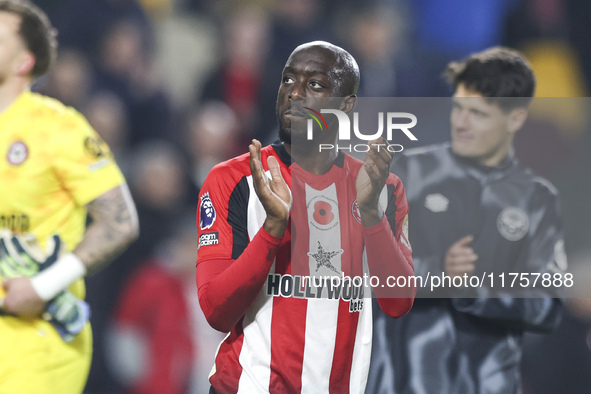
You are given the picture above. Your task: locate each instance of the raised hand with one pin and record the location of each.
(273, 193)
(460, 258)
(371, 180)
(21, 258)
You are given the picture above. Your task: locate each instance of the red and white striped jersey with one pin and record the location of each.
(302, 333)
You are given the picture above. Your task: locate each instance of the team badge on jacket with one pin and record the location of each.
(17, 153)
(512, 224)
(206, 212)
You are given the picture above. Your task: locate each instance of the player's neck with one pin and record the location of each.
(312, 160)
(10, 89)
(496, 158)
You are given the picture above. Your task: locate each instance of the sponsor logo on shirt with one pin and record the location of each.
(96, 147)
(17, 153)
(330, 287)
(436, 202)
(17, 223)
(206, 212)
(208, 239)
(512, 223)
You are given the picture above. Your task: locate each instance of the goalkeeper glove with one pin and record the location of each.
(20, 256)
(68, 314)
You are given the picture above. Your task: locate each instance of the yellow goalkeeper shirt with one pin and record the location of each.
(52, 163)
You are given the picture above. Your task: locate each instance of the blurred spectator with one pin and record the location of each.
(243, 79)
(122, 51)
(71, 79)
(82, 24)
(158, 178)
(212, 138)
(540, 28)
(106, 114)
(162, 190)
(158, 9)
(535, 20)
(125, 68)
(151, 341)
(389, 68)
(297, 22)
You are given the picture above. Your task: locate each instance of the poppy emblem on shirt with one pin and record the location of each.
(206, 212)
(323, 213)
(17, 153)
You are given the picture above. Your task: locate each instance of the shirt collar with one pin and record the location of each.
(483, 173)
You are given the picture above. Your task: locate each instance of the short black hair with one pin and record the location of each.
(497, 72)
(345, 72)
(39, 35)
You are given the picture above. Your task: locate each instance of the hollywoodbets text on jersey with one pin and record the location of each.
(331, 287)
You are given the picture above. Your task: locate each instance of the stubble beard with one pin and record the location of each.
(284, 135)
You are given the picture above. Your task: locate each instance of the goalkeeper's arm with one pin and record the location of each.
(114, 226)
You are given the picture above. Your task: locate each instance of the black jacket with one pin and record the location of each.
(470, 344)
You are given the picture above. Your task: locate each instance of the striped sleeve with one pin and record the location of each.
(222, 214)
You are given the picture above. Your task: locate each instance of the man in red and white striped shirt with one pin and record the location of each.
(269, 247)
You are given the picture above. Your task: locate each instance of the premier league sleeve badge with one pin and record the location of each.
(206, 212)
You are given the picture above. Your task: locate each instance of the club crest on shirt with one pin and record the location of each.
(206, 212)
(17, 153)
(436, 202)
(355, 211)
(512, 223)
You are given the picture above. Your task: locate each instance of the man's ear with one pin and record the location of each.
(348, 103)
(517, 118)
(25, 64)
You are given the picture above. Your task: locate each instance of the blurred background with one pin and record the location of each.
(176, 86)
